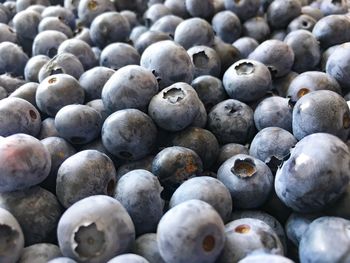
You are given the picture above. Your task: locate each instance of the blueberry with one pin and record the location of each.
(65, 63)
(65, 14)
(47, 42)
(207, 189)
(79, 124)
(321, 111)
(37, 212)
(317, 245)
(273, 111)
(248, 179)
(93, 80)
(227, 26)
(26, 25)
(81, 50)
(24, 162)
(281, 12)
(129, 134)
(12, 239)
(248, 235)
(199, 8)
(247, 80)
(139, 192)
(61, 260)
(244, 9)
(257, 28)
(131, 258)
(307, 188)
(198, 238)
(18, 116)
(265, 217)
(209, 90)
(205, 60)
(57, 91)
(7, 34)
(155, 12)
(297, 224)
(91, 168)
(272, 145)
(90, 9)
(148, 38)
(276, 55)
(118, 55)
(325, 56)
(245, 45)
(59, 150)
(306, 50)
(311, 81)
(33, 67)
(166, 24)
(39, 253)
(175, 107)
(174, 165)
(168, 61)
(26, 92)
(194, 32)
(303, 21)
(95, 229)
(147, 246)
(337, 65)
(177, 7)
(47, 129)
(327, 30)
(231, 121)
(13, 59)
(56, 24)
(202, 141)
(108, 28)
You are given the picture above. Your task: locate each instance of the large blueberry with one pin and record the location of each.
(315, 175)
(321, 111)
(12, 59)
(79, 124)
(326, 240)
(247, 80)
(174, 165)
(168, 61)
(95, 229)
(272, 145)
(205, 60)
(248, 235)
(139, 192)
(191, 232)
(227, 26)
(231, 121)
(248, 179)
(57, 91)
(129, 87)
(39, 253)
(175, 107)
(90, 168)
(207, 189)
(129, 134)
(24, 162)
(118, 55)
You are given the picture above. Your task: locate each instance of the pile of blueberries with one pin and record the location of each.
(174, 131)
